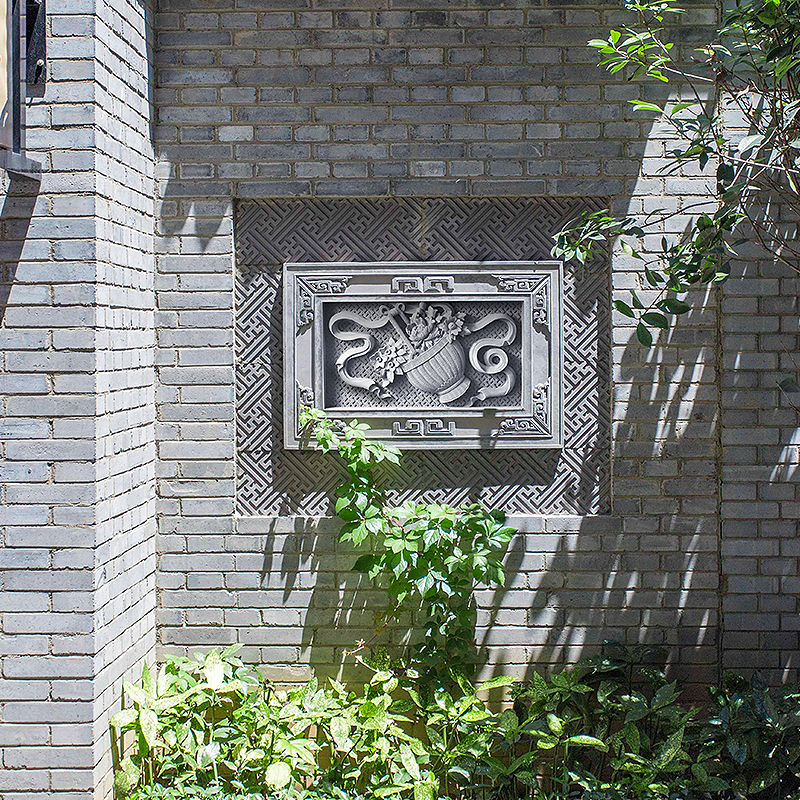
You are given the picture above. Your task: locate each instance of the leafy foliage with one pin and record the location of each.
(213, 727)
(611, 728)
(747, 75)
(428, 557)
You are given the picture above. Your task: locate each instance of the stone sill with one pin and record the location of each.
(523, 523)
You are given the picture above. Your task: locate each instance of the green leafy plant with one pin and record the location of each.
(212, 727)
(428, 557)
(746, 76)
(213, 721)
(611, 728)
(750, 745)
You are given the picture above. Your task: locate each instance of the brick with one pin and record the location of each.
(265, 100)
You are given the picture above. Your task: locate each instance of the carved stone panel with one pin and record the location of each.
(433, 354)
(272, 480)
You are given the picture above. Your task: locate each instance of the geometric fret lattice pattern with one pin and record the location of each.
(274, 481)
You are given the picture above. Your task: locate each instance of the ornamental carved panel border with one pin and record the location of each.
(430, 354)
(273, 480)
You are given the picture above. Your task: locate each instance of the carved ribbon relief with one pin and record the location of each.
(424, 347)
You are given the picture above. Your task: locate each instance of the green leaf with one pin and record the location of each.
(148, 684)
(588, 741)
(388, 791)
(763, 781)
(669, 749)
(632, 737)
(409, 762)
(555, 724)
(675, 306)
(164, 679)
(126, 777)
(278, 775)
(124, 718)
(664, 696)
(434, 737)
(134, 693)
(493, 683)
(365, 562)
(546, 742)
(340, 731)
(628, 250)
(172, 700)
(214, 670)
(528, 778)
(423, 791)
(655, 319)
(507, 720)
(653, 278)
(624, 308)
(640, 106)
(749, 142)
(738, 749)
(207, 754)
(148, 723)
(643, 335)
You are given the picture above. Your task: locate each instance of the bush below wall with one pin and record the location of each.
(611, 728)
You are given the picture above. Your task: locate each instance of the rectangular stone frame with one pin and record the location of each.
(536, 423)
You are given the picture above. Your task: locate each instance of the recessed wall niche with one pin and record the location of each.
(371, 242)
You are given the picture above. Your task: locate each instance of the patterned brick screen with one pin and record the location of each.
(271, 480)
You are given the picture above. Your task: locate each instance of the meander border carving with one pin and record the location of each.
(274, 481)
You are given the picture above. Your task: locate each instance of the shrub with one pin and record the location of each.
(611, 728)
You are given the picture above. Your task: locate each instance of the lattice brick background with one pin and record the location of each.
(272, 481)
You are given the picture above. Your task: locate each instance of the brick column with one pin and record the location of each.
(77, 425)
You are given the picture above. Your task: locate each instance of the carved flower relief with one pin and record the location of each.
(389, 360)
(454, 325)
(427, 326)
(424, 349)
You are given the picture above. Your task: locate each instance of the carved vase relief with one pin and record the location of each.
(424, 346)
(471, 358)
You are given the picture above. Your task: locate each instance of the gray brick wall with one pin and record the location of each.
(125, 557)
(77, 511)
(759, 438)
(275, 98)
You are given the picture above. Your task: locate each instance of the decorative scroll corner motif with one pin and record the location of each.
(536, 425)
(424, 427)
(520, 283)
(308, 286)
(541, 304)
(521, 426)
(538, 286)
(541, 406)
(304, 397)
